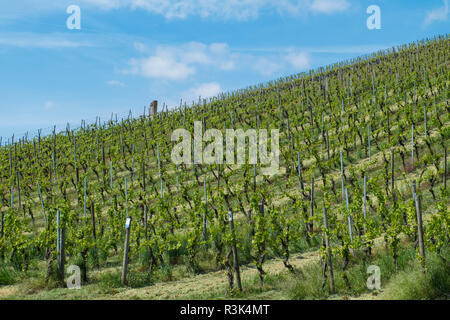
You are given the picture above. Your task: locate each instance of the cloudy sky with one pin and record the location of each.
(129, 52)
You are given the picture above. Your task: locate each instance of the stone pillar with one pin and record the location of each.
(153, 107)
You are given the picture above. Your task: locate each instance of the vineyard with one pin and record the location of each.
(362, 182)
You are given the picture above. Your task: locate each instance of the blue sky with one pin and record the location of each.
(129, 52)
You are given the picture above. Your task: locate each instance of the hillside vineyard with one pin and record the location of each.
(363, 167)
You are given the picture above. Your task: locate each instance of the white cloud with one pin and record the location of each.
(329, 6)
(37, 40)
(139, 46)
(223, 9)
(173, 62)
(160, 67)
(298, 60)
(115, 83)
(180, 62)
(288, 59)
(266, 66)
(439, 14)
(48, 105)
(204, 90)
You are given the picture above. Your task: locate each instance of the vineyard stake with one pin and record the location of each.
(299, 172)
(12, 199)
(420, 231)
(327, 244)
(42, 203)
(328, 147)
(425, 119)
(392, 173)
(103, 160)
(18, 189)
(132, 165)
(75, 159)
(10, 162)
(445, 168)
(111, 175)
(159, 169)
(365, 199)
(388, 126)
(143, 174)
(368, 139)
(57, 237)
(54, 165)
(3, 225)
(412, 145)
(85, 186)
(254, 177)
(126, 196)
(349, 219)
(311, 224)
(178, 180)
(125, 253)
(235, 253)
(60, 252)
(342, 177)
(93, 221)
(206, 210)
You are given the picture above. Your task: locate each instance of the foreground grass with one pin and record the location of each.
(409, 282)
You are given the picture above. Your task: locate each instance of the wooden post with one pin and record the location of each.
(204, 213)
(232, 121)
(365, 198)
(54, 166)
(178, 180)
(159, 169)
(143, 174)
(111, 176)
(327, 244)
(299, 171)
(132, 164)
(10, 162)
(42, 203)
(153, 108)
(18, 189)
(342, 176)
(58, 236)
(392, 170)
(445, 168)
(388, 126)
(368, 140)
(77, 177)
(62, 254)
(126, 196)
(311, 224)
(85, 187)
(254, 177)
(145, 220)
(2, 230)
(349, 219)
(93, 221)
(60, 247)
(121, 146)
(425, 119)
(125, 252)
(420, 230)
(412, 145)
(235, 253)
(328, 147)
